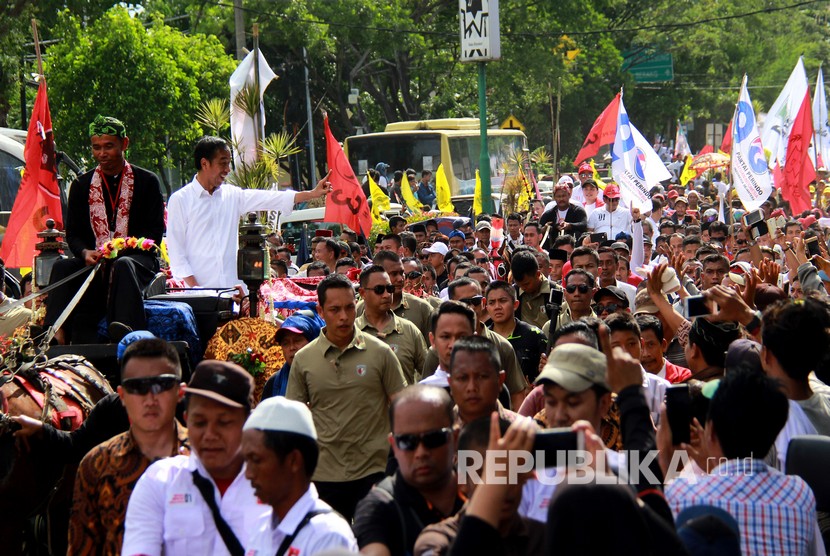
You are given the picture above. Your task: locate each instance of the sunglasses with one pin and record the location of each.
(380, 290)
(484, 260)
(154, 384)
(611, 307)
(740, 241)
(430, 440)
(475, 300)
(583, 288)
(414, 275)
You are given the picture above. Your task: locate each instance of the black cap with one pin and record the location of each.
(222, 381)
(613, 291)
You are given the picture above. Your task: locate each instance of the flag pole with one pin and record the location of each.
(37, 48)
(258, 113)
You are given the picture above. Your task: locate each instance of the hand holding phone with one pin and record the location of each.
(679, 412)
(555, 443)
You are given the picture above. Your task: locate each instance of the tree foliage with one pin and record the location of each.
(153, 78)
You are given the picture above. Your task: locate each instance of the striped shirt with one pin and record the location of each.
(776, 513)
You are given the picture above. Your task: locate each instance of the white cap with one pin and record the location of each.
(565, 180)
(437, 247)
(279, 414)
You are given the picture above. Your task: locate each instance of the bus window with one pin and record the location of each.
(401, 152)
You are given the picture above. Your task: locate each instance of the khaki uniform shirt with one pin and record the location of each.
(514, 379)
(414, 309)
(404, 339)
(532, 306)
(348, 393)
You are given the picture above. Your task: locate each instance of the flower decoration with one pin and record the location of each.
(250, 360)
(111, 249)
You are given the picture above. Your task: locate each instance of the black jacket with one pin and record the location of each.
(575, 216)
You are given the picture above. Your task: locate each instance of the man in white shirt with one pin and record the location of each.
(450, 323)
(203, 217)
(279, 443)
(201, 503)
(610, 218)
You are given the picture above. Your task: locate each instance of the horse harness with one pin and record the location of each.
(49, 383)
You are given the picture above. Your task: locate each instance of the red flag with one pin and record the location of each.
(38, 197)
(798, 167)
(602, 132)
(346, 203)
(726, 144)
(706, 150)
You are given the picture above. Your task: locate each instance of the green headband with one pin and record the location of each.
(107, 126)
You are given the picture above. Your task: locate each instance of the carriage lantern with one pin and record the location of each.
(51, 247)
(252, 258)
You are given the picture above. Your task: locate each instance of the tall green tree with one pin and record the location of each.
(153, 78)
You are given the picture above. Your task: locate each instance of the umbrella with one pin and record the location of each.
(709, 160)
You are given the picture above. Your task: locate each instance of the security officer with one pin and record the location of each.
(378, 320)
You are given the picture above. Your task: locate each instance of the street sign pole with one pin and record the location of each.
(480, 43)
(484, 157)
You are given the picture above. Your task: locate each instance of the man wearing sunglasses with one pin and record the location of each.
(347, 377)
(424, 489)
(580, 288)
(201, 503)
(150, 388)
(377, 319)
(405, 305)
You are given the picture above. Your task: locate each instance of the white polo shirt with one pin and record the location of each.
(324, 531)
(167, 514)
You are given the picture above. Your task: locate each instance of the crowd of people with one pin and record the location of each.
(437, 348)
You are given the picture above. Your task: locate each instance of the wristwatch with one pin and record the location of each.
(754, 325)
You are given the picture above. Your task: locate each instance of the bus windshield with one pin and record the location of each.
(422, 149)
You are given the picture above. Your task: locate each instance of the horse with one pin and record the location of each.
(33, 483)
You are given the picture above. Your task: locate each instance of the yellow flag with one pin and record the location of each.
(600, 183)
(380, 202)
(409, 197)
(523, 202)
(477, 196)
(442, 190)
(688, 174)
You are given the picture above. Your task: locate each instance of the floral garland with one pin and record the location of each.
(111, 248)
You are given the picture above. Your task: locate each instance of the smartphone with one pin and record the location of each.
(776, 226)
(695, 306)
(556, 442)
(752, 218)
(679, 412)
(599, 237)
(812, 246)
(557, 296)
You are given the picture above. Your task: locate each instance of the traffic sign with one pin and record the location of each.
(648, 67)
(512, 123)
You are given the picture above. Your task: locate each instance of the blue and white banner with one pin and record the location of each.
(634, 164)
(750, 173)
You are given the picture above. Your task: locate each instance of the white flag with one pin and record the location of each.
(244, 132)
(820, 123)
(779, 120)
(634, 164)
(681, 144)
(750, 174)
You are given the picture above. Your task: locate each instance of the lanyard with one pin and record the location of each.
(113, 200)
